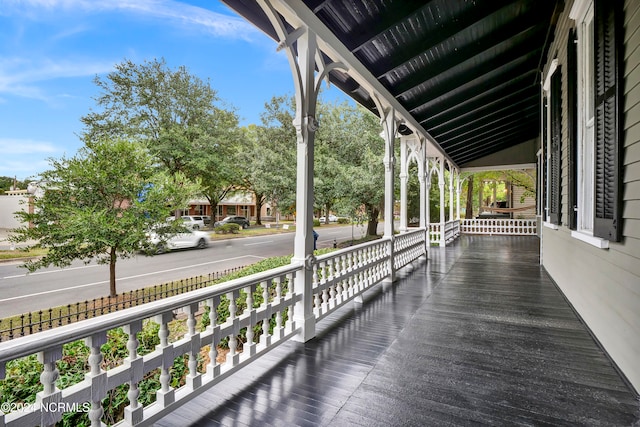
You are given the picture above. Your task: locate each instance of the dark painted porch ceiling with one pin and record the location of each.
(467, 71)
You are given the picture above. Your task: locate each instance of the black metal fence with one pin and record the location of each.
(37, 321)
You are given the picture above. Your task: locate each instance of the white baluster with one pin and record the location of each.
(194, 379)
(265, 338)
(325, 300)
(165, 396)
(97, 376)
(290, 325)
(317, 302)
(233, 357)
(213, 368)
(133, 413)
(317, 278)
(250, 347)
(279, 329)
(50, 395)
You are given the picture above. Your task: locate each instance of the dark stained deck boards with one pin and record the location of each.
(478, 335)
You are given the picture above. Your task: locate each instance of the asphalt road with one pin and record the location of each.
(21, 292)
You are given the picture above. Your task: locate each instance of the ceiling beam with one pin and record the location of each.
(447, 30)
(297, 14)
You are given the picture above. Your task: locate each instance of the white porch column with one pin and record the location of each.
(494, 186)
(451, 172)
(480, 196)
(301, 47)
(423, 194)
(404, 174)
(424, 202)
(428, 209)
(458, 191)
(306, 125)
(387, 119)
(441, 185)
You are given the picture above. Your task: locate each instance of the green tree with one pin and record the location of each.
(334, 145)
(100, 204)
(270, 149)
(216, 163)
(177, 115)
(7, 182)
(360, 150)
(520, 178)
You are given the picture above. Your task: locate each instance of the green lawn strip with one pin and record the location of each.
(20, 253)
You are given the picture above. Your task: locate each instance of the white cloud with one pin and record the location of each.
(177, 13)
(12, 146)
(18, 76)
(26, 157)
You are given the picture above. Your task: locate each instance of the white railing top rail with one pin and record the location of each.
(340, 252)
(30, 344)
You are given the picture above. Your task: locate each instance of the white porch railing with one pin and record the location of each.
(435, 228)
(511, 227)
(338, 278)
(408, 247)
(451, 232)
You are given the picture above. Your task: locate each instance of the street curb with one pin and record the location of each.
(19, 259)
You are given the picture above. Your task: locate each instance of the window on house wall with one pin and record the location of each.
(572, 131)
(542, 163)
(598, 139)
(553, 89)
(585, 120)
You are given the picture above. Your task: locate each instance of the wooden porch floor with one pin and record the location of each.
(478, 335)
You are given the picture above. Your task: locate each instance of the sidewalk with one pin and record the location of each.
(6, 245)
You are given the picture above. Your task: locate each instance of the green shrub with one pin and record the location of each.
(229, 228)
(316, 222)
(344, 221)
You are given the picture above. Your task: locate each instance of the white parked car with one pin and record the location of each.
(332, 218)
(191, 221)
(187, 239)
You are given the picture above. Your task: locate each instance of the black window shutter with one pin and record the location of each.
(555, 159)
(572, 131)
(608, 140)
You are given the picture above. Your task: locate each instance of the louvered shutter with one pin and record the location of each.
(555, 158)
(572, 131)
(608, 85)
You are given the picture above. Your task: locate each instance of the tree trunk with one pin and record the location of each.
(259, 203)
(112, 273)
(214, 210)
(469, 208)
(372, 225)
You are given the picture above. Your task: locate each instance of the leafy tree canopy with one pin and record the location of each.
(7, 182)
(269, 151)
(100, 204)
(179, 117)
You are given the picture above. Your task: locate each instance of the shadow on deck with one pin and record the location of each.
(478, 335)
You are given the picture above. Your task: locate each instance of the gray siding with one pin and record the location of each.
(603, 285)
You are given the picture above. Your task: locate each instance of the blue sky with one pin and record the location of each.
(50, 51)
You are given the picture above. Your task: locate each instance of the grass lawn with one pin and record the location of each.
(18, 254)
(256, 230)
